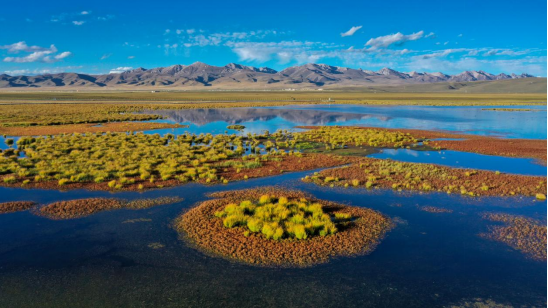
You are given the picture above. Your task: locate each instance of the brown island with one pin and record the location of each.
(280, 228)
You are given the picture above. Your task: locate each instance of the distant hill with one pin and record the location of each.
(525, 85)
(235, 76)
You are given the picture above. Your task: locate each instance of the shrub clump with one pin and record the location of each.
(279, 217)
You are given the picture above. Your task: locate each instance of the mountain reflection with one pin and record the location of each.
(241, 115)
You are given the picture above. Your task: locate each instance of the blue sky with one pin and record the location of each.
(103, 36)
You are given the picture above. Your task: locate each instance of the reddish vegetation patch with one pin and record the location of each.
(16, 206)
(290, 163)
(533, 148)
(79, 208)
(202, 228)
(433, 209)
(85, 207)
(429, 177)
(501, 147)
(85, 128)
(526, 235)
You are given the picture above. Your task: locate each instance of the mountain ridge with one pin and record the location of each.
(234, 75)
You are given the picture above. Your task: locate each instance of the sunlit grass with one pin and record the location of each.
(280, 218)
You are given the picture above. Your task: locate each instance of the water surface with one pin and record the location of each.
(524, 166)
(463, 119)
(428, 260)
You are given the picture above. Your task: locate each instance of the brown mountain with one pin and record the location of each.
(237, 76)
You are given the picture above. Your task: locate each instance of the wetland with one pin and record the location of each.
(351, 204)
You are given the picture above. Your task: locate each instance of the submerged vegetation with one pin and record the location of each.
(84, 207)
(524, 234)
(276, 227)
(434, 209)
(375, 173)
(16, 206)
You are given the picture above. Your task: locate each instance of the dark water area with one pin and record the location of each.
(104, 260)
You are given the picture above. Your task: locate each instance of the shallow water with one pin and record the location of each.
(525, 166)
(427, 260)
(467, 119)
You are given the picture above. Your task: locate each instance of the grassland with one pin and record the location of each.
(270, 96)
(138, 161)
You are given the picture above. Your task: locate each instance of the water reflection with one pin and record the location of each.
(203, 117)
(468, 119)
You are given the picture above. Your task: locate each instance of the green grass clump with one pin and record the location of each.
(236, 127)
(339, 137)
(123, 159)
(281, 218)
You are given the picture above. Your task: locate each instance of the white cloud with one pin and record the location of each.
(22, 46)
(78, 22)
(17, 72)
(37, 53)
(351, 31)
(393, 39)
(199, 38)
(85, 12)
(55, 70)
(106, 56)
(121, 69)
(441, 53)
(430, 35)
(62, 55)
(131, 57)
(531, 65)
(286, 51)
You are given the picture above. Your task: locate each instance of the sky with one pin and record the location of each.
(98, 37)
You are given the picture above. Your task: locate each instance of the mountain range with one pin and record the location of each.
(237, 76)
